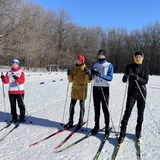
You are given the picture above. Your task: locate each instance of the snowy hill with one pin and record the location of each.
(45, 98)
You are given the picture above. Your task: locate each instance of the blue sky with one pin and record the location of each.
(131, 14)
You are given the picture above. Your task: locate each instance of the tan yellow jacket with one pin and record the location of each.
(80, 82)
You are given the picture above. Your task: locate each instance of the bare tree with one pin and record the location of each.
(38, 37)
(116, 45)
(151, 39)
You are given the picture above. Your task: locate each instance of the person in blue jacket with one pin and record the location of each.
(102, 74)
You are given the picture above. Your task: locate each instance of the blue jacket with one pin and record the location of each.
(106, 73)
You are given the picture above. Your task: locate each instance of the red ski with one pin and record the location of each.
(51, 135)
(69, 136)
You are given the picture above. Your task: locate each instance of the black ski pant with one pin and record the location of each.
(101, 95)
(72, 108)
(20, 99)
(131, 99)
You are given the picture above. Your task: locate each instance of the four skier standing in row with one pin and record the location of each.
(101, 73)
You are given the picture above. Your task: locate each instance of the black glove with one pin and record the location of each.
(69, 71)
(95, 72)
(135, 77)
(2, 76)
(130, 71)
(14, 76)
(86, 70)
(124, 79)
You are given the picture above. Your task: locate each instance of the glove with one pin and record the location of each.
(2, 76)
(135, 77)
(69, 71)
(130, 71)
(86, 70)
(95, 72)
(124, 79)
(14, 76)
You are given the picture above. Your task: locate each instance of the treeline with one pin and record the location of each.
(39, 37)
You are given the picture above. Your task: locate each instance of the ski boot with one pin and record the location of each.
(121, 137)
(69, 124)
(21, 119)
(95, 130)
(107, 132)
(13, 121)
(138, 135)
(79, 125)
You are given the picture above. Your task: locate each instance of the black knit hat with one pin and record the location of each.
(138, 53)
(102, 51)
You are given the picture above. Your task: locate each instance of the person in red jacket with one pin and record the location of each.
(15, 78)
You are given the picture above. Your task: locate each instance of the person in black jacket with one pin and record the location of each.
(136, 72)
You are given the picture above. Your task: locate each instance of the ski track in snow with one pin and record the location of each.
(45, 103)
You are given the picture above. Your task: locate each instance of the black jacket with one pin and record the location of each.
(142, 72)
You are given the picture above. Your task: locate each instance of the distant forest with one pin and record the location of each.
(39, 37)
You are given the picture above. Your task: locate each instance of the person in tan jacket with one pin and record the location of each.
(79, 76)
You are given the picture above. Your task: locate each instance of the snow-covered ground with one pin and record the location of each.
(46, 102)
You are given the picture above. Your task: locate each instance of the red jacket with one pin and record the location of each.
(15, 86)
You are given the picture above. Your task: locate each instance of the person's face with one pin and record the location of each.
(101, 56)
(14, 65)
(79, 62)
(138, 58)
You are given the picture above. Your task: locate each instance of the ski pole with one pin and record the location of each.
(89, 104)
(4, 100)
(65, 103)
(147, 106)
(122, 106)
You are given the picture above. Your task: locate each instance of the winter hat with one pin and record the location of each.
(16, 61)
(102, 51)
(140, 60)
(139, 53)
(81, 58)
